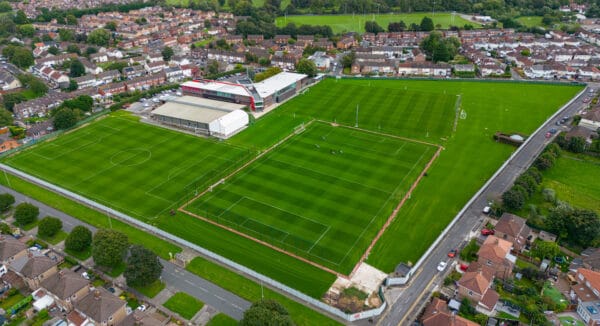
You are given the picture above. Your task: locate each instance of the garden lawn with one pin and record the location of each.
(570, 321)
(222, 320)
(252, 291)
(356, 23)
(184, 304)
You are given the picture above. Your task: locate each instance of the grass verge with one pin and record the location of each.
(151, 290)
(184, 304)
(55, 239)
(252, 291)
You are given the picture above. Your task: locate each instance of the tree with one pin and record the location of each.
(10, 99)
(6, 201)
(79, 239)
(5, 6)
(72, 85)
(109, 247)
(438, 48)
(306, 67)
(213, 67)
(528, 183)
(143, 266)
(513, 199)
(426, 24)
(67, 35)
(72, 48)
(5, 228)
(90, 50)
(167, 53)
(266, 312)
(545, 249)
(373, 27)
(348, 59)
(6, 118)
(64, 118)
(26, 213)
(53, 50)
(111, 25)
(99, 37)
(584, 227)
(71, 19)
(21, 18)
(19, 56)
(397, 27)
(26, 30)
(49, 226)
(544, 161)
(37, 86)
(77, 69)
(576, 145)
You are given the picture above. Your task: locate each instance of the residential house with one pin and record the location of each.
(174, 74)
(66, 287)
(85, 81)
(281, 39)
(108, 76)
(424, 69)
(8, 81)
(591, 119)
(11, 249)
(256, 38)
(154, 57)
(98, 57)
(346, 43)
(101, 308)
(592, 73)
(513, 228)
(476, 285)
(113, 88)
(491, 69)
(90, 68)
(495, 253)
(145, 82)
(438, 314)
(586, 292)
(155, 66)
(34, 268)
(591, 259)
(134, 71)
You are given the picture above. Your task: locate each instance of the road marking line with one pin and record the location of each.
(189, 282)
(417, 300)
(220, 298)
(237, 307)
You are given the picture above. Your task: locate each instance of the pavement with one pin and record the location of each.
(176, 278)
(426, 279)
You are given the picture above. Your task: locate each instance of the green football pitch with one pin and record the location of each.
(136, 168)
(145, 171)
(356, 23)
(324, 184)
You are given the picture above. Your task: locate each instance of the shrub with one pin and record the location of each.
(549, 195)
(79, 239)
(6, 201)
(514, 198)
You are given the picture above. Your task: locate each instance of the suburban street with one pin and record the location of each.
(406, 308)
(174, 276)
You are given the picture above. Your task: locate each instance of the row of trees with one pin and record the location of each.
(109, 247)
(71, 111)
(523, 188)
(437, 48)
(425, 25)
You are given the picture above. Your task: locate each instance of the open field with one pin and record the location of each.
(356, 23)
(530, 21)
(570, 179)
(422, 110)
(322, 185)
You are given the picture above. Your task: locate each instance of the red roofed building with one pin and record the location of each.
(438, 314)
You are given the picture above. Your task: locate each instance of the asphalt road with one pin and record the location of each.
(403, 310)
(174, 276)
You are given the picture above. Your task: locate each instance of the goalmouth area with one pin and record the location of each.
(321, 195)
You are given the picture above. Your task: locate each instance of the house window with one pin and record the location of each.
(489, 262)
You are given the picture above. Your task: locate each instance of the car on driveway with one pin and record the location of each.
(585, 100)
(441, 266)
(452, 253)
(487, 232)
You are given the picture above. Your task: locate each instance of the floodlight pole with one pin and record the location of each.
(356, 124)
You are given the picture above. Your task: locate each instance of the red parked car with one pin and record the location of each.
(487, 232)
(452, 253)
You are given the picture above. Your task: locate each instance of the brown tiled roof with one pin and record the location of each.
(494, 249)
(37, 265)
(477, 278)
(64, 284)
(75, 318)
(592, 277)
(438, 314)
(99, 305)
(490, 298)
(510, 224)
(593, 115)
(9, 247)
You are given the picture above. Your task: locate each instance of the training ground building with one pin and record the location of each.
(257, 96)
(202, 116)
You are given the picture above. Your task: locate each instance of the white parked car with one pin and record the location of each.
(487, 209)
(85, 275)
(441, 266)
(141, 308)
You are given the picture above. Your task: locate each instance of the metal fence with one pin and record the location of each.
(156, 231)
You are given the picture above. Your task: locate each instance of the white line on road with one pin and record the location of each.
(189, 282)
(220, 298)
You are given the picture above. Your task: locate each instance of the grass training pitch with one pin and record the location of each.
(145, 171)
(356, 23)
(325, 184)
